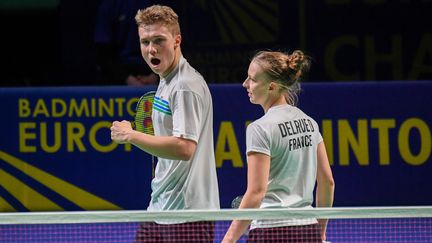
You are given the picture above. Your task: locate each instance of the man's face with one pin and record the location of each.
(158, 47)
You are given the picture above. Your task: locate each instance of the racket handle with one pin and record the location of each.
(236, 202)
(153, 167)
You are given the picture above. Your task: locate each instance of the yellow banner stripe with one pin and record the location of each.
(30, 198)
(5, 206)
(236, 30)
(80, 197)
(257, 31)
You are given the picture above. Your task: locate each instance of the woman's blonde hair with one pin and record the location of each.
(285, 69)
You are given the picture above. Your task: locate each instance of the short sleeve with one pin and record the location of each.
(257, 139)
(317, 135)
(187, 115)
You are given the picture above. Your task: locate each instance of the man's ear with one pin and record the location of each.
(177, 41)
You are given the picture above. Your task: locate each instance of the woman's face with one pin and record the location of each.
(158, 48)
(256, 84)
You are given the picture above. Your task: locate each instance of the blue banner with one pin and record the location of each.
(56, 152)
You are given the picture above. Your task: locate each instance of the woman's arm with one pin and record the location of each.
(257, 179)
(325, 185)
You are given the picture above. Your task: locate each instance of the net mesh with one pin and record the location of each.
(402, 224)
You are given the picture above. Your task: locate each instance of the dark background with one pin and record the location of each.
(51, 42)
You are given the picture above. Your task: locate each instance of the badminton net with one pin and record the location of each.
(362, 224)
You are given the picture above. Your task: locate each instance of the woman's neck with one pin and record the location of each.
(280, 100)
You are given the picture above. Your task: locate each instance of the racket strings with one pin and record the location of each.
(142, 120)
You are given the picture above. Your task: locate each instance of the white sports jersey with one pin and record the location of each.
(183, 108)
(290, 138)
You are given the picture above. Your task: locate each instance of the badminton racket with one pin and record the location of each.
(142, 121)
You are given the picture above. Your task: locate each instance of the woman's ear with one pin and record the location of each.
(272, 85)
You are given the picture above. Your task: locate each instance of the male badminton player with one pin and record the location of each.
(185, 175)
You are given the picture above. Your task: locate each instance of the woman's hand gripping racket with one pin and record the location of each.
(142, 121)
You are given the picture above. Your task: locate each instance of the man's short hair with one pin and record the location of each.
(159, 14)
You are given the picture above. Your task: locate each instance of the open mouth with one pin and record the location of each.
(155, 61)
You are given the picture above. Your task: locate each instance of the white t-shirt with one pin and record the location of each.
(183, 108)
(290, 138)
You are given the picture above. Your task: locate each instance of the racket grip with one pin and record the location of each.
(236, 202)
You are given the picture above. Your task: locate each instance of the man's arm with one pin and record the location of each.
(168, 147)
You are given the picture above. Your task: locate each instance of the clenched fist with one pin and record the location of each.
(120, 131)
